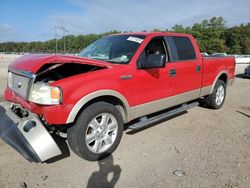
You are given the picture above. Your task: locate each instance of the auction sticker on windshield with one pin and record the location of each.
(135, 39)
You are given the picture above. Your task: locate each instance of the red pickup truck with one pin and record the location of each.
(115, 80)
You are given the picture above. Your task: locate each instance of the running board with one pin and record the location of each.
(144, 121)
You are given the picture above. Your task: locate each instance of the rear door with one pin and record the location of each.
(184, 68)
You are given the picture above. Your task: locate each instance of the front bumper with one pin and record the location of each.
(26, 135)
(53, 114)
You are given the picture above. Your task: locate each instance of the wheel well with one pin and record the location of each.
(224, 78)
(109, 99)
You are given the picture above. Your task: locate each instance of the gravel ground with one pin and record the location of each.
(212, 147)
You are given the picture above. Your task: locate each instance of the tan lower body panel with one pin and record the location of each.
(155, 106)
(206, 91)
(209, 89)
(158, 105)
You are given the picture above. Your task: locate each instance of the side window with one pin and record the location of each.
(155, 46)
(181, 48)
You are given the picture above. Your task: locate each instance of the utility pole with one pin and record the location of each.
(64, 31)
(56, 36)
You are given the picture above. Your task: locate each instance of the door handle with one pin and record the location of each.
(126, 77)
(198, 68)
(172, 72)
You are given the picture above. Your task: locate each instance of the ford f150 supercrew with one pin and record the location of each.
(115, 80)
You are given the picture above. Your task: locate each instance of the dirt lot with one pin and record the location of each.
(212, 147)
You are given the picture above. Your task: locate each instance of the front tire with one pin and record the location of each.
(97, 132)
(217, 98)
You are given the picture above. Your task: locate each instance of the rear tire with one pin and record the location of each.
(217, 98)
(97, 132)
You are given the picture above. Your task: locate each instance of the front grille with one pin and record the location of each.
(19, 84)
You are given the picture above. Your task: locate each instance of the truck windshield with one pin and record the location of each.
(114, 49)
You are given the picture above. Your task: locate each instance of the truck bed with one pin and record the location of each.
(212, 66)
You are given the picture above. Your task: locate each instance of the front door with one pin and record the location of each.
(151, 84)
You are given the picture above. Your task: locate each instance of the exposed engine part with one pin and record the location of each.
(20, 112)
(56, 71)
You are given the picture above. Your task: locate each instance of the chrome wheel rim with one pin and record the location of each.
(101, 133)
(220, 93)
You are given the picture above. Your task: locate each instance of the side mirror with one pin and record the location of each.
(153, 61)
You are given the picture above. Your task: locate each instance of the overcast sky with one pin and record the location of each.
(33, 20)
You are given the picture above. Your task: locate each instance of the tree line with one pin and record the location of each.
(212, 36)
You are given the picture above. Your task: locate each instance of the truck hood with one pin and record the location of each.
(32, 63)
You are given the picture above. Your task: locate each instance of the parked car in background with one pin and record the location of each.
(219, 54)
(247, 71)
(242, 59)
(204, 54)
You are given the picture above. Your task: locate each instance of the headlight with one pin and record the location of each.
(10, 79)
(44, 94)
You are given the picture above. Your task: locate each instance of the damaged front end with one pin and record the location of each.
(26, 134)
(57, 71)
(24, 130)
